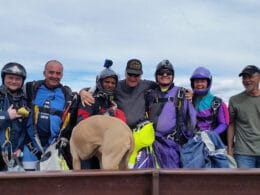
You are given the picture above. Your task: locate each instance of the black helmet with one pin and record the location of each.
(13, 68)
(164, 64)
(107, 72)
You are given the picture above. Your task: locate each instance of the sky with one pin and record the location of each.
(221, 35)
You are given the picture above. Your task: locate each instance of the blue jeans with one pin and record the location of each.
(246, 161)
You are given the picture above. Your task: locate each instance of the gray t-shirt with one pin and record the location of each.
(244, 111)
(131, 100)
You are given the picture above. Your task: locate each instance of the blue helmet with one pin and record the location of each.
(201, 73)
(107, 72)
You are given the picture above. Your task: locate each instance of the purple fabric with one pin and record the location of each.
(203, 107)
(167, 119)
(167, 152)
(145, 159)
(205, 125)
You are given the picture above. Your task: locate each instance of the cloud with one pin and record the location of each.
(221, 35)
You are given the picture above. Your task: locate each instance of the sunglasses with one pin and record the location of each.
(133, 75)
(162, 72)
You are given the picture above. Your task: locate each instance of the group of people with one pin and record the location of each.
(49, 111)
(177, 114)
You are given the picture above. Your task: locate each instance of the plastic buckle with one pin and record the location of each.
(180, 94)
(215, 105)
(171, 136)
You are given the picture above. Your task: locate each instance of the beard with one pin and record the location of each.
(249, 88)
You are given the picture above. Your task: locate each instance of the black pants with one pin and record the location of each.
(3, 166)
(91, 163)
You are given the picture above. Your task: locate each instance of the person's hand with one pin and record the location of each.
(189, 94)
(230, 152)
(13, 113)
(18, 153)
(86, 98)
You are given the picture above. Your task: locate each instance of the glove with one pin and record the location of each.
(23, 111)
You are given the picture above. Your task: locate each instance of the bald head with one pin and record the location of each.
(53, 62)
(53, 72)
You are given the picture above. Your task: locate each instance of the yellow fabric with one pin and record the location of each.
(144, 136)
(62, 163)
(66, 121)
(23, 111)
(164, 89)
(36, 113)
(7, 137)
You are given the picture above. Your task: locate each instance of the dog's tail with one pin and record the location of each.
(75, 157)
(124, 162)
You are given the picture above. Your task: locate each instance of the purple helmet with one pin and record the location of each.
(201, 73)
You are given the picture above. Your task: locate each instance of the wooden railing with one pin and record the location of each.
(150, 182)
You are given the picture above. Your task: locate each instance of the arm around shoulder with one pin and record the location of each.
(86, 97)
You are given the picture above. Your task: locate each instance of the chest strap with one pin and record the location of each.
(51, 111)
(162, 100)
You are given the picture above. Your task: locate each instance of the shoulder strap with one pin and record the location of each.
(216, 103)
(153, 96)
(178, 134)
(67, 92)
(2, 91)
(69, 117)
(215, 107)
(31, 88)
(3, 94)
(146, 98)
(179, 98)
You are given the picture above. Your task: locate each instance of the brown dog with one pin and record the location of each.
(108, 138)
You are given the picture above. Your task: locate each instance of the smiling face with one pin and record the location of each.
(109, 84)
(164, 78)
(53, 74)
(251, 82)
(13, 82)
(132, 80)
(200, 84)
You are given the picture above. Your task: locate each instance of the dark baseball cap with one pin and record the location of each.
(134, 66)
(250, 69)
